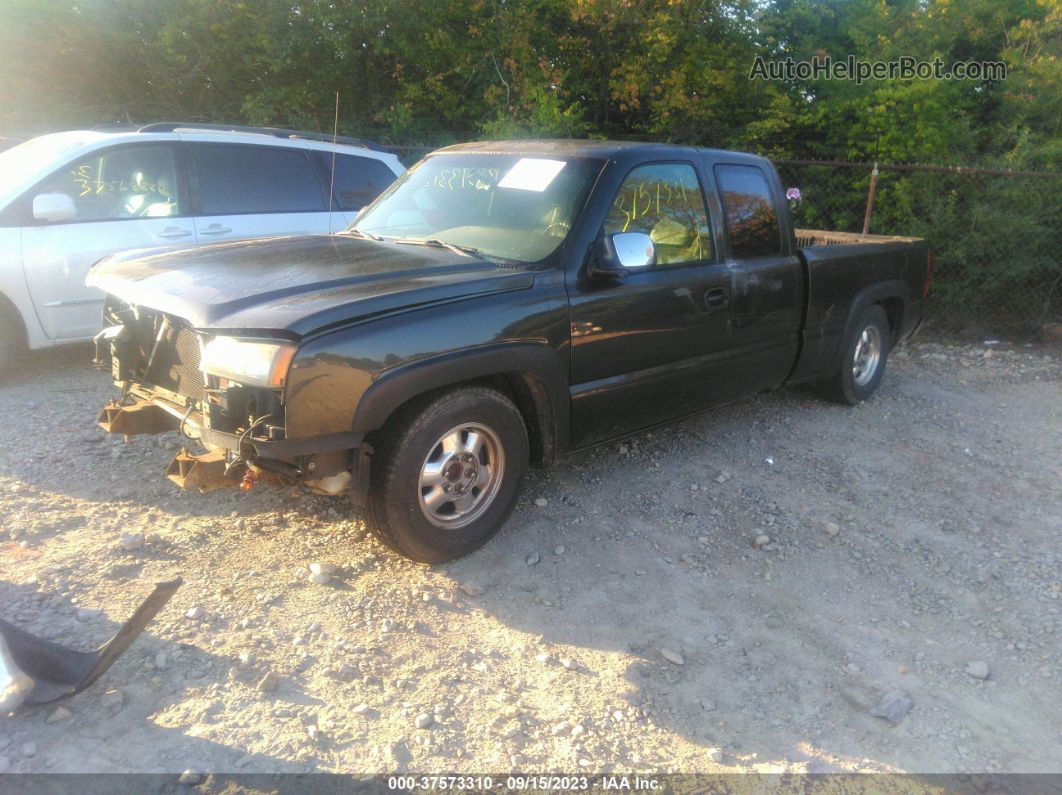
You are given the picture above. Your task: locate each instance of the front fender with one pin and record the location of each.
(353, 379)
(536, 364)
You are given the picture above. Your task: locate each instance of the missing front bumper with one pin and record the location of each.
(328, 464)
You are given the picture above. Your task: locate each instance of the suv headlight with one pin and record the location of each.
(251, 362)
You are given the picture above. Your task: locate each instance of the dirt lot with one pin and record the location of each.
(632, 622)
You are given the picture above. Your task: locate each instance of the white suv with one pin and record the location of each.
(71, 198)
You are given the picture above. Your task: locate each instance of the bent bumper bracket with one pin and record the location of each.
(136, 418)
(204, 472)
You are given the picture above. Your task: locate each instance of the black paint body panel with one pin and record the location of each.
(590, 358)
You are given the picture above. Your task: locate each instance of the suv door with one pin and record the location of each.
(250, 190)
(651, 346)
(126, 196)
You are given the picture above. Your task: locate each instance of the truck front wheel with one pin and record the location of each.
(447, 473)
(862, 358)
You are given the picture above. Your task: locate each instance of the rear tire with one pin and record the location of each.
(11, 343)
(863, 356)
(447, 473)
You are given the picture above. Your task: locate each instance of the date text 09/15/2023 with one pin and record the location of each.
(521, 783)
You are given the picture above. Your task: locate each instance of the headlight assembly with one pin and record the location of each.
(250, 362)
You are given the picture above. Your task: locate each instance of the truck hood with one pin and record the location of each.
(296, 284)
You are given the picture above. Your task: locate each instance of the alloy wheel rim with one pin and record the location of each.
(461, 475)
(867, 355)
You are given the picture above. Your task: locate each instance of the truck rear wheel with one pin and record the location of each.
(447, 473)
(863, 357)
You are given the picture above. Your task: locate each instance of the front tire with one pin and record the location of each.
(863, 357)
(447, 474)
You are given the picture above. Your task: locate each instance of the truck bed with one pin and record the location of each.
(844, 270)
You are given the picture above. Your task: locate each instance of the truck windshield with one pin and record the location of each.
(510, 207)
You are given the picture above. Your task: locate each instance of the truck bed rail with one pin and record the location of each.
(821, 237)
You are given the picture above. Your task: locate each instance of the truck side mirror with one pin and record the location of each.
(53, 207)
(615, 256)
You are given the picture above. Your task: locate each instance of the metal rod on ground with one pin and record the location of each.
(870, 198)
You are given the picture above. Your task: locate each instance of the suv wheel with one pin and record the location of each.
(10, 341)
(447, 474)
(862, 358)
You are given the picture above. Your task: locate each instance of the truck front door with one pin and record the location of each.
(651, 346)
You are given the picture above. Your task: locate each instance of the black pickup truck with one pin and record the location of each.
(502, 304)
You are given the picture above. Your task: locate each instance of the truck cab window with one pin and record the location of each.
(664, 201)
(130, 182)
(751, 220)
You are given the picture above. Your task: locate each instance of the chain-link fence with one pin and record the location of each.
(996, 235)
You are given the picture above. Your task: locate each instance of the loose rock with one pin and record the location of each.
(672, 657)
(131, 541)
(194, 613)
(532, 559)
(978, 669)
(541, 502)
(893, 706)
(425, 720)
(472, 589)
(60, 713)
(268, 683)
(191, 777)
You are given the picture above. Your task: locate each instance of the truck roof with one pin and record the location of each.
(566, 147)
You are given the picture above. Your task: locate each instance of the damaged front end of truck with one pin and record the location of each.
(225, 394)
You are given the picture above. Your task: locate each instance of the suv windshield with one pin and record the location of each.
(511, 207)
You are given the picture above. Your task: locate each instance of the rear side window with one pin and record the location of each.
(235, 179)
(358, 180)
(751, 220)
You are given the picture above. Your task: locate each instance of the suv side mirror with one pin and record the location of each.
(615, 256)
(53, 207)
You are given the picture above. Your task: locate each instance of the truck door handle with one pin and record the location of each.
(716, 298)
(215, 229)
(172, 232)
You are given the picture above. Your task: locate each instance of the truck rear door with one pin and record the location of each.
(766, 278)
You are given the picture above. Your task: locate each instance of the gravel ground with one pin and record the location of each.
(783, 584)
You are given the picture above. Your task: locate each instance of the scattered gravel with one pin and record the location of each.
(906, 537)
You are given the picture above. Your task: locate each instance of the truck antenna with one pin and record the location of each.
(332, 177)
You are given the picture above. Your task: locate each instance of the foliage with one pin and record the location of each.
(430, 72)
